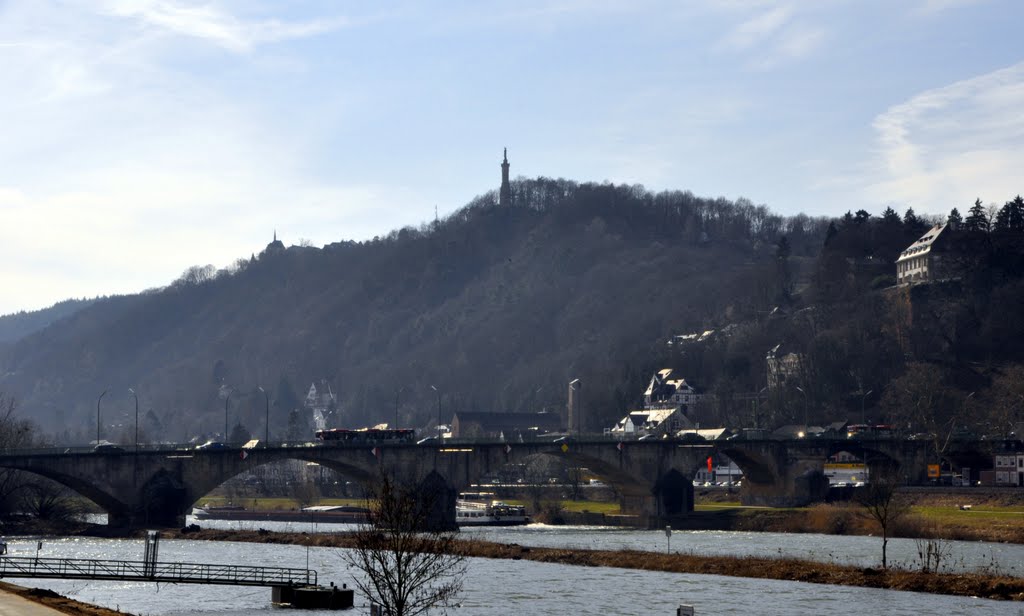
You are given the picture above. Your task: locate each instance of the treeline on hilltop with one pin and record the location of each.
(498, 308)
(21, 324)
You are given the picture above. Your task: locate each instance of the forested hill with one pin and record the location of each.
(497, 307)
(21, 324)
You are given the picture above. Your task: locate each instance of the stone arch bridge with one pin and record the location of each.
(652, 478)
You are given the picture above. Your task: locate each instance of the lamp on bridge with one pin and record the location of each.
(863, 415)
(266, 398)
(805, 407)
(132, 392)
(98, 416)
(438, 412)
(757, 408)
(398, 392)
(575, 399)
(226, 399)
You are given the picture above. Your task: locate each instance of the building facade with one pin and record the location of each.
(924, 260)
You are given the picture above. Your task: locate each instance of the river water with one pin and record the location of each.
(503, 587)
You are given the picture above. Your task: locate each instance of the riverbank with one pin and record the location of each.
(968, 515)
(1001, 587)
(57, 602)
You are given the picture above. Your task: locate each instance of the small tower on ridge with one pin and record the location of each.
(505, 195)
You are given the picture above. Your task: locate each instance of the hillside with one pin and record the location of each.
(498, 307)
(21, 324)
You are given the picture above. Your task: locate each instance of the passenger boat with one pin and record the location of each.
(494, 513)
(340, 514)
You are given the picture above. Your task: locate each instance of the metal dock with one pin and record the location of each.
(141, 571)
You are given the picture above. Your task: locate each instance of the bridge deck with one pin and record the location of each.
(177, 573)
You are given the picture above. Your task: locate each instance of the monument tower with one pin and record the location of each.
(505, 195)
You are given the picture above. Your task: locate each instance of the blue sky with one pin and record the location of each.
(140, 138)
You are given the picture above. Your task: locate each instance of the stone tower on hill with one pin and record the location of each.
(505, 195)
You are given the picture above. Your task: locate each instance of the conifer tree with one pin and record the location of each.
(832, 231)
(977, 218)
(1010, 218)
(955, 220)
(910, 219)
(889, 217)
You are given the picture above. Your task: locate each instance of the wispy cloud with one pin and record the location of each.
(217, 26)
(758, 29)
(775, 35)
(933, 7)
(948, 145)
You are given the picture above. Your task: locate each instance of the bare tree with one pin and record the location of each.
(881, 502)
(51, 501)
(406, 570)
(304, 492)
(15, 433)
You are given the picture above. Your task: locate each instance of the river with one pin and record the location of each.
(503, 587)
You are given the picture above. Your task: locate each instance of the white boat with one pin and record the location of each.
(494, 513)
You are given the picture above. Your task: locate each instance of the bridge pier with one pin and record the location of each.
(776, 476)
(673, 494)
(808, 487)
(441, 498)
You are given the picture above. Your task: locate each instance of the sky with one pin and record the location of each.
(143, 137)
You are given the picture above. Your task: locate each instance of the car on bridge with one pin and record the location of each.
(210, 445)
(107, 448)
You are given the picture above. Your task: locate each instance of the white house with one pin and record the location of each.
(650, 421)
(665, 391)
(1009, 469)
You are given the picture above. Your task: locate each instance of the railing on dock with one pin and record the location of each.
(177, 573)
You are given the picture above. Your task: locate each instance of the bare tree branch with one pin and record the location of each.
(406, 570)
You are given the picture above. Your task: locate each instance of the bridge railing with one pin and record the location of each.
(182, 573)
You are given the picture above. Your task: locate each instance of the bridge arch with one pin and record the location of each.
(160, 486)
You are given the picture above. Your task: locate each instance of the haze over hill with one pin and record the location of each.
(498, 306)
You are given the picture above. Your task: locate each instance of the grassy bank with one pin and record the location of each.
(974, 517)
(926, 517)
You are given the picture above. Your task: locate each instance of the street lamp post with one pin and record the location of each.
(98, 416)
(226, 399)
(863, 415)
(757, 409)
(805, 407)
(963, 411)
(438, 411)
(576, 386)
(266, 436)
(398, 392)
(579, 408)
(132, 392)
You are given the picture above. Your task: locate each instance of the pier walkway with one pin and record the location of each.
(174, 573)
